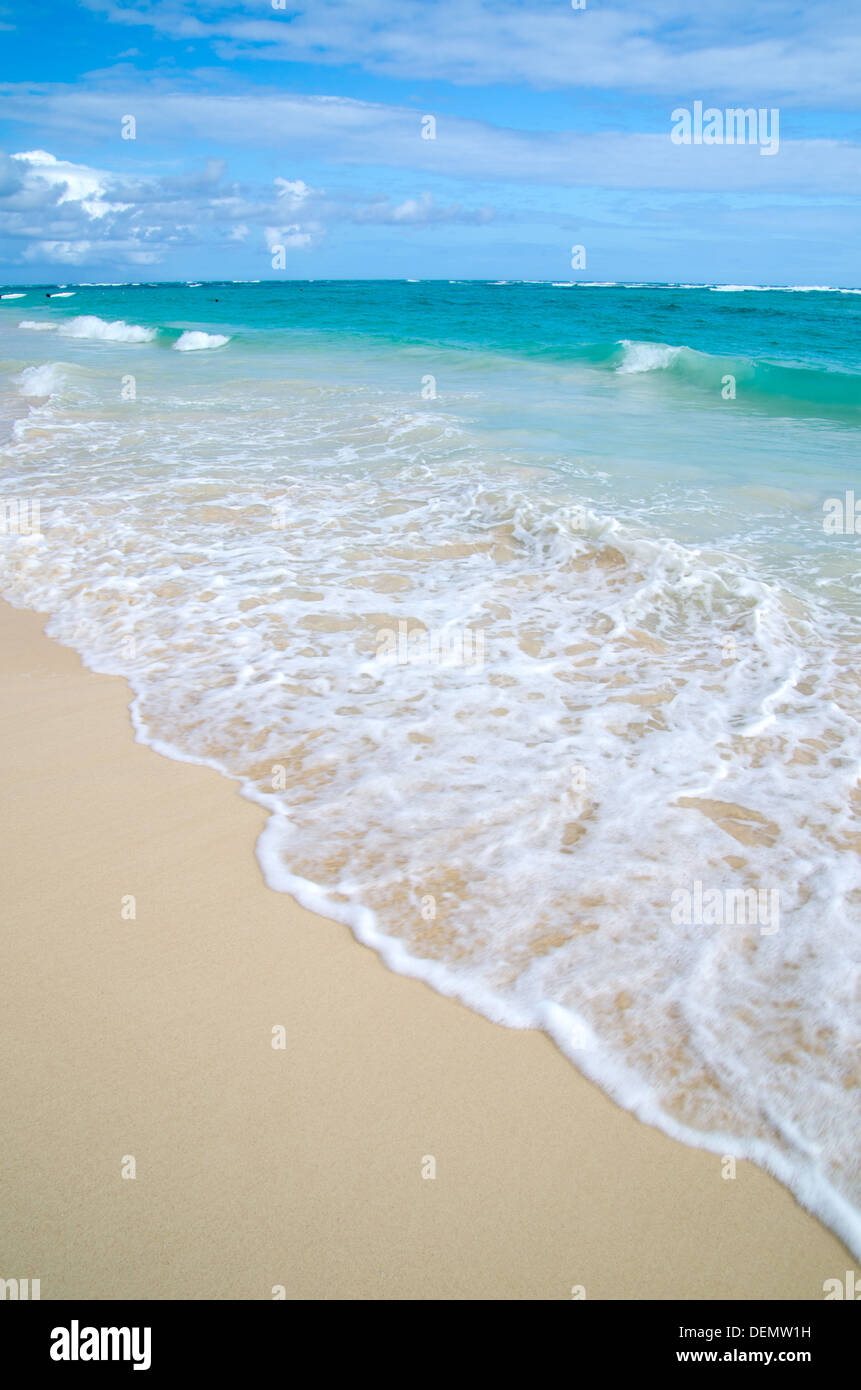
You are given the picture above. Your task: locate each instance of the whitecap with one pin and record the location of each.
(90, 326)
(195, 341)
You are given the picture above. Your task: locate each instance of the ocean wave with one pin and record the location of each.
(90, 326)
(647, 357)
(757, 381)
(42, 380)
(193, 340)
(780, 289)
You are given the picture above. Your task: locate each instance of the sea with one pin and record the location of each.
(530, 613)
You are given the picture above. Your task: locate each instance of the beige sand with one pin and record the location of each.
(299, 1167)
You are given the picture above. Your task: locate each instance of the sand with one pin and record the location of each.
(150, 1038)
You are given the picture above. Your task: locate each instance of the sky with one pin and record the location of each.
(483, 139)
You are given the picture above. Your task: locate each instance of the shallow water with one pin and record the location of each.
(529, 635)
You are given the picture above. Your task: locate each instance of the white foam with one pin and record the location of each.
(100, 330)
(62, 294)
(42, 380)
(195, 341)
(784, 289)
(38, 325)
(646, 357)
(21, 295)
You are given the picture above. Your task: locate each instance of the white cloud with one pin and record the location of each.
(804, 54)
(76, 182)
(413, 209)
(64, 252)
(293, 191)
(345, 131)
(292, 238)
(52, 210)
(416, 212)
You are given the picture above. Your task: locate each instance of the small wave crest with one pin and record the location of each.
(193, 340)
(90, 326)
(796, 387)
(782, 289)
(40, 381)
(647, 357)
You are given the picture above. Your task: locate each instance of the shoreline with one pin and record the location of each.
(151, 1037)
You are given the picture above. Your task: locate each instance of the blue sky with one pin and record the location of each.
(258, 126)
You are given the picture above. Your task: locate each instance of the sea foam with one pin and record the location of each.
(193, 340)
(40, 381)
(647, 357)
(90, 326)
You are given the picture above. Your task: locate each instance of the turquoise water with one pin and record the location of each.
(516, 607)
(809, 330)
(542, 367)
